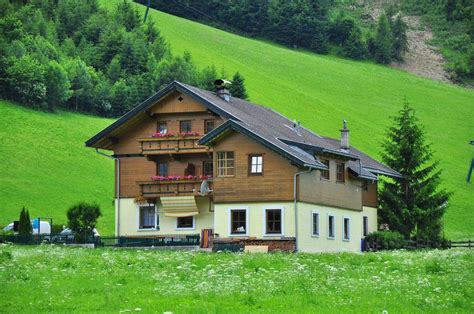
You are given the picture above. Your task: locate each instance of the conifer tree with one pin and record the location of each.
(400, 41)
(383, 41)
(414, 204)
(24, 225)
(237, 88)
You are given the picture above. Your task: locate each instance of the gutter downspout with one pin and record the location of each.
(118, 187)
(295, 196)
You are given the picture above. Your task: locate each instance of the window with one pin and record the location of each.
(207, 168)
(331, 227)
(365, 225)
(225, 164)
(162, 127)
(273, 218)
(162, 168)
(325, 173)
(315, 220)
(346, 229)
(340, 172)
(255, 165)
(185, 126)
(238, 221)
(185, 222)
(147, 217)
(208, 126)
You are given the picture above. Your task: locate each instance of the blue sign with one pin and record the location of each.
(35, 223)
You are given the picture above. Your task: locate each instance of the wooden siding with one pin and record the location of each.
(132, 170)
(276, 183)
(173, 104)
(313, 189)
(369, 196)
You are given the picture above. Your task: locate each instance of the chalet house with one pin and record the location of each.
(188, 160)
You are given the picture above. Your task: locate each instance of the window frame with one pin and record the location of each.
(226, 159)
(159, 124)
(344, 220)
(204, 167)
(229, 214)
(206, 129)
(327, 177)
(339, 180)
(156, 218)
(329, 216)
(158, 170)
(181, 126)
(315, 234)
(282, 221)
(250, 164)
(193, 227)
(365, 226)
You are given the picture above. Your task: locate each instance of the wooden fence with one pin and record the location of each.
(373, 246)
(466, 244)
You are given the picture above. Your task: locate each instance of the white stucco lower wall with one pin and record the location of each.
(129, 219)
(308, 242)
(256, 219)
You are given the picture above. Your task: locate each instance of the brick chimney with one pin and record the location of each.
(222, 89)
(345, 136)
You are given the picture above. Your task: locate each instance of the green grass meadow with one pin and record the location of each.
(45, 166)
(63, 279)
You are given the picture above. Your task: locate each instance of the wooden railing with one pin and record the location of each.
(172, 145)
(168, 188)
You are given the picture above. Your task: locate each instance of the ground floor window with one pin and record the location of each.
(273, 221)
(331, 233)
(185, 222)
(365, 224)
(238, 221)
(346, 229)
(147, 217)
(315, 221)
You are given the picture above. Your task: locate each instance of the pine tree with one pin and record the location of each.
(414, 204)
(237, 88)
(24, 225)
(383, 41)
(400, 41)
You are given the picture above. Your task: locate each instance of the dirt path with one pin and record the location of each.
(422, 59)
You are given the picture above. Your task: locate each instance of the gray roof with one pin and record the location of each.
(264, 125)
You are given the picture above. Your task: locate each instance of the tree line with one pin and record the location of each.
(77, 56)
(304, 24)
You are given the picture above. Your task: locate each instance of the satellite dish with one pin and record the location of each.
(204, 188)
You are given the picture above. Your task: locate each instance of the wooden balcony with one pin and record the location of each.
(172, 145)
(170, 188)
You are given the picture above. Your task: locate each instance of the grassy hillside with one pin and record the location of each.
(322, 90)
(45, 166)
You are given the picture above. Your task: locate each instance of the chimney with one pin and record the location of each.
(222, 89)
(345, 136)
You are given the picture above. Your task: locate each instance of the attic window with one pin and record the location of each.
(180, 98)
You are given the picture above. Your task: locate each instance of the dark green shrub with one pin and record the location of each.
(24, 226)
(82, 219)
(386, 240)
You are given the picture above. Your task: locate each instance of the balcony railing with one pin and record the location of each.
(172, 145)
(168, 188)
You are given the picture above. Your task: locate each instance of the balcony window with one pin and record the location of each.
(147, 217)
(273, 218)
(340, 172)
(225, 164)
(185, 222)
(162, 127)
(238, 222)
(207, 168)
(162, 168)
(255, 165)
(208, 126)
(185, 126)
(325, 173)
